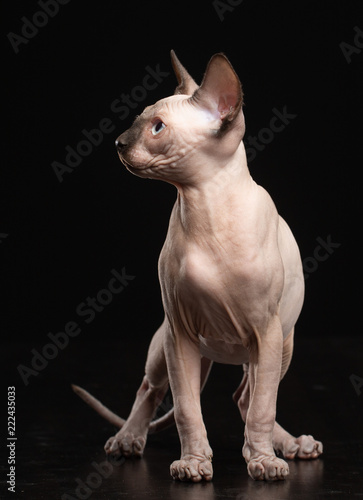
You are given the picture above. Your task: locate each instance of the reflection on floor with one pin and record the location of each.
(59, 449)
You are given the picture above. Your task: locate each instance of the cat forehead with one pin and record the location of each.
(166, 104)
(177, 108)
(160, 107)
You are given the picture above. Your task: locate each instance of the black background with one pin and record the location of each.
(63, 239)
(59, 241)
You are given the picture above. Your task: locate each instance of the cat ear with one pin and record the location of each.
(221, 91)
(186, 83)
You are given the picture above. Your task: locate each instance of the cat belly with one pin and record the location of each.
(223, 352)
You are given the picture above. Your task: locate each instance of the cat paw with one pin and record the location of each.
(192, 469)
(308, 448)
(268, 468)
(125, 444)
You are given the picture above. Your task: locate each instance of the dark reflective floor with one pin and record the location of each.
(59, 449)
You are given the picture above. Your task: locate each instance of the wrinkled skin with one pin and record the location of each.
(230, 274)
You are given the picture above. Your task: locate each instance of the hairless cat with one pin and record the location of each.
(231, 280)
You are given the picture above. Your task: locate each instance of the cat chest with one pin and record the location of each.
(208, 297)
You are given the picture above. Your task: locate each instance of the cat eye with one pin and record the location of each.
(157, 127)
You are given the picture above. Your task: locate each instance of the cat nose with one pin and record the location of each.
(120, 143)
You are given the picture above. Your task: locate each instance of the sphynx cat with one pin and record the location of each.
(230, 274)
